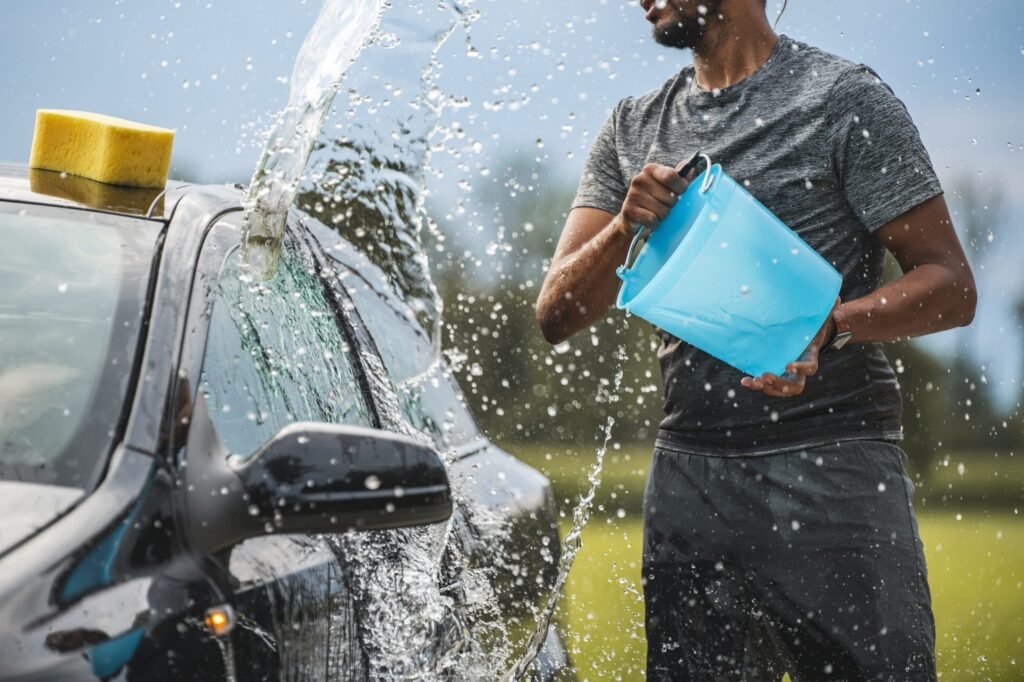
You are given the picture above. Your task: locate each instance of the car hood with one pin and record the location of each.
(27, 508)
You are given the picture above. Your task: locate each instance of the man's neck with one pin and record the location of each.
(734, 46)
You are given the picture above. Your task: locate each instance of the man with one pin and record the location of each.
(778, 533)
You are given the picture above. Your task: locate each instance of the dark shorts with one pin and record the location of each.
(807, 562)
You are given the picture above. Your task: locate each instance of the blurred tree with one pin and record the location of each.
(977, 207)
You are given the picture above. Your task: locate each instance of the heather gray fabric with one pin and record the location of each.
(808, 562)
(827, 147)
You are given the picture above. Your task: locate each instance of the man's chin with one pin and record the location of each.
(671, 34)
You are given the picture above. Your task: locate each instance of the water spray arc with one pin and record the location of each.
(340, 33)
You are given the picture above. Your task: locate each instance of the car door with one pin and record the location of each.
(502, 552)
(274, 354)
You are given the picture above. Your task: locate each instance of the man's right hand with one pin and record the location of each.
(580, 286)
(652, 194)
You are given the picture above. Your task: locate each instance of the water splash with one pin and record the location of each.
(341, 31)
(366, 179)
(423, 611)
(573, 540)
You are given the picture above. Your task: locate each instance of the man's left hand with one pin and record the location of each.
(795, 378)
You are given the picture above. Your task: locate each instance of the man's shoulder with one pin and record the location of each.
(822, 68)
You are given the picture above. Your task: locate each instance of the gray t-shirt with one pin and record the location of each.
(825, 145)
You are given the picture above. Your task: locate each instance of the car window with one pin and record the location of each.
(276, 355)
(72, 295)
(427, 393)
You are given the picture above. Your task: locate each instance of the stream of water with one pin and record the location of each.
(360, 167)
(340, 33)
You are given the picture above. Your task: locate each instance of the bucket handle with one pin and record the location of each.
(709, 179)
(641, 234)
(642, 231)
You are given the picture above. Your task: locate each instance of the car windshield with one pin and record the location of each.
(72, 293)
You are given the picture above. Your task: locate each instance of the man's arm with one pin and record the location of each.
(936, 292)
(580, 286)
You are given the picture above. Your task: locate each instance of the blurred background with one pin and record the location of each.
(526, 85)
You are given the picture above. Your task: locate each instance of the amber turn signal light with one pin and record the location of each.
(220, 620)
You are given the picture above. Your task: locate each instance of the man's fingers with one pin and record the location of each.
(667, 177)
(781, 387)
(652, 205)
(640, 199)
(802, 367)
(657, 191)
(637, 215)
(652, 194)
(752, 383)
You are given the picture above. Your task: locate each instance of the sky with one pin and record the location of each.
(538, 77)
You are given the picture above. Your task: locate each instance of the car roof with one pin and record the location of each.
(22, 184)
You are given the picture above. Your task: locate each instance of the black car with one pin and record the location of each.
(197, 466)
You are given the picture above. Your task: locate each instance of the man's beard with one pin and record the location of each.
(683, 28)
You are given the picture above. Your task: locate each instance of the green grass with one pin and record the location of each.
(975, 554)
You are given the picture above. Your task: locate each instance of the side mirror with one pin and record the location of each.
(309, 478)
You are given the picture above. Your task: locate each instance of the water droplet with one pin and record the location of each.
(744, 289)
(254, 510)
(881, 487)
(388, 40)
(372, 482)
(795, 525)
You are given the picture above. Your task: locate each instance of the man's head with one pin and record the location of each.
(683, 23)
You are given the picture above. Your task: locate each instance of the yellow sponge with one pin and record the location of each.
(103, 148)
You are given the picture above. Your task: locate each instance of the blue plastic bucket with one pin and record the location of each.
(724, 274)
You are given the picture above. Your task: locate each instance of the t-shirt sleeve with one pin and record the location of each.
(602, 184)
(881, 163)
